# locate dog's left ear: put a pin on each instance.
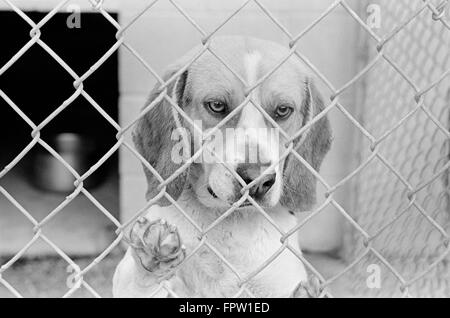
(299, 189)
(152, 137)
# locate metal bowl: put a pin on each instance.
(48, 173)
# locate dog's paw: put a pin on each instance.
(157, 246)
(309, 289)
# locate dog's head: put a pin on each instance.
(248, 144)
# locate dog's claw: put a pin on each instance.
(157, 246)
(142, 219)
(310, 289)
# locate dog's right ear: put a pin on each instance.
(153, 138)
(299, 193)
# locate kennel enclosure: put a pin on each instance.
(395, 114)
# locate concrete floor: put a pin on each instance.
(51, 277)
(48, 276)
(79, 229)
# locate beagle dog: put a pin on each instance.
(272, 186)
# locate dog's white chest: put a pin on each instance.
(246, 246)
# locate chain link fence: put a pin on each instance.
(403, 204)
(400, 218)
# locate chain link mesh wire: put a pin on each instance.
(406, 211)
(412, 125)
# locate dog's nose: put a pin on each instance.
(250, 172)
(264, 185)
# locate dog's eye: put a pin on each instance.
(216, 106)
(283, 111)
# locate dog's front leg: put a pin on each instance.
(156, 250)
(156, 247)
(309, 289)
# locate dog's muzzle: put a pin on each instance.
(249, 173)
